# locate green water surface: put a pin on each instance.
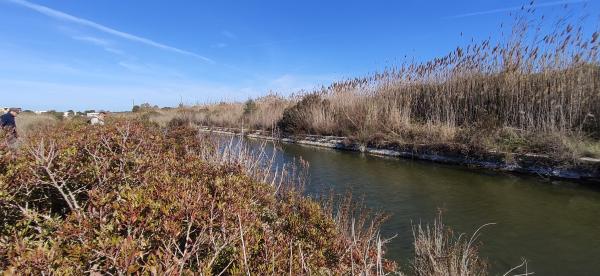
(553, 224)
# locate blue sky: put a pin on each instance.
(107, 54)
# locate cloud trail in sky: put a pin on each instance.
(516, 8)
(84, 22)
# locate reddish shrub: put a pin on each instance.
(130, 197)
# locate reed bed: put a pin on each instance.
(532, 91)
(262, 113)
(531, 83)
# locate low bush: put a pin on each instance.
(300, 117)
(131, 197)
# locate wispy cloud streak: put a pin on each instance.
(219, 45)
(228, 34)
(92, 40)
(84, 22)
(515, 8)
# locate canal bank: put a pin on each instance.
(581, 169)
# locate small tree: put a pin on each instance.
(250, 107)
(136, 108)
(56, 114)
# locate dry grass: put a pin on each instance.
(545, 85)
(26, 122)
(439, 252)
(264, 113)
(529, 92)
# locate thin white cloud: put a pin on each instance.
(516, 8)
(152, 70)
(228, 34)
(84, 22)
(93, 40)
(115, 51)
(136, 68)
(219, 45)
(107, 45)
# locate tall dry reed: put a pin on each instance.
(527, 86)
(530, 81)
(530, 91)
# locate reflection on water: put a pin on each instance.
(555, 225)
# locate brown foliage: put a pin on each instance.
(131, 197)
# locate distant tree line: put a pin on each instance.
(148, 107)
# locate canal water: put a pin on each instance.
(555, 225)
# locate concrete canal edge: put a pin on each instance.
(583, 169)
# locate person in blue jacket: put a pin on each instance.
(7, 121)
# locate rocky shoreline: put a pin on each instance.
(583, 169)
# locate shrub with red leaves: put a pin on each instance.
(131, 197)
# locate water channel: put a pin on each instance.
(555, 225)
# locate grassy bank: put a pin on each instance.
(134, 197)
(531, 92)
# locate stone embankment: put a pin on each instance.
(584, 169)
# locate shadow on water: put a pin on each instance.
(553, 224)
